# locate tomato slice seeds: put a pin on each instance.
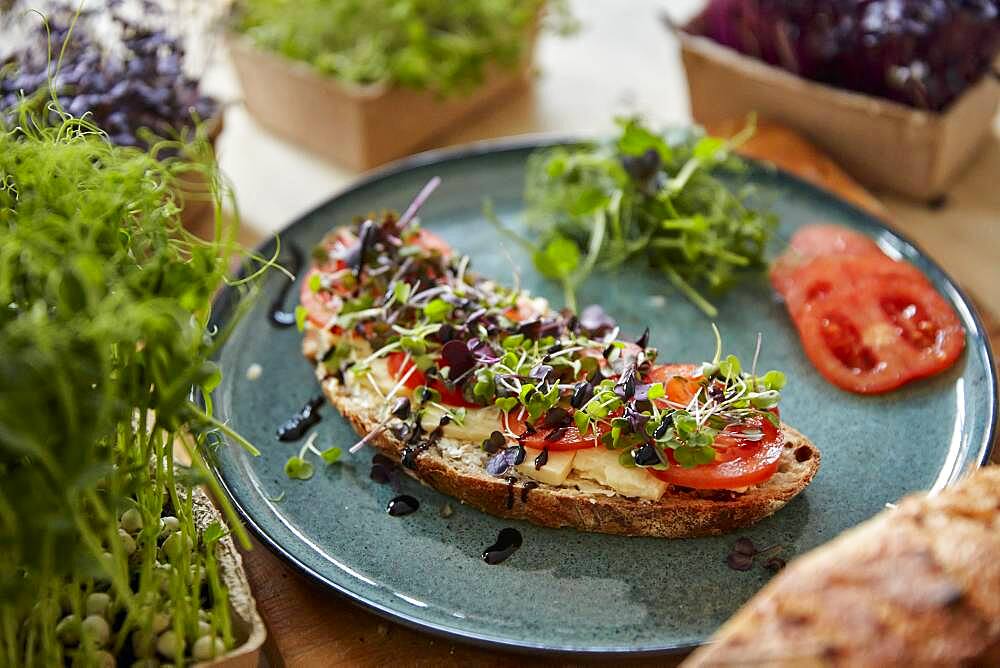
(867, 322)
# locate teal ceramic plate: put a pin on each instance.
(565, 590)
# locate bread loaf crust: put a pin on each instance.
(918, 585)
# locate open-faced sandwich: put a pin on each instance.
(486, 394)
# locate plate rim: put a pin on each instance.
(227, 299)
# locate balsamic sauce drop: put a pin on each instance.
(511, 481)
(279, 317)
(404, 504)
(527, 487)
(542, 459)
(507, 543)
(296, 426)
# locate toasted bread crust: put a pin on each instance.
(678, 514)
(918, 585)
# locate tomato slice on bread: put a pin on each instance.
(400, 365)
(321, 306)
(746, 454)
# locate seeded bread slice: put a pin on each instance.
(458, 469)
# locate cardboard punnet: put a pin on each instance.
(358, 126)
(882, 143)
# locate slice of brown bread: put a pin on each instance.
(918, 585)
(459, 470)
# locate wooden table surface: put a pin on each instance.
(311, 627)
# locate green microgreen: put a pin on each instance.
(669, 199)
(331, 455)
(436, 45)
(104, 332)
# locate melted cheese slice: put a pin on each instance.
(601, 465)
(479, 423)
(597, 464)
(554, 472)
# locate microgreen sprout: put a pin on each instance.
(452, 338)
(298, 467)
(599, 206)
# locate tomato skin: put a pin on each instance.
(867, 322)
(844, 273)
(680, 381)
(399, 366)
(818, 240)
(432, 242)
(739, 462)
(317, 304)
(571, 439)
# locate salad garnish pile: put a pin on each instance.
(674, 201)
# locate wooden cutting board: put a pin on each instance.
(309, 626)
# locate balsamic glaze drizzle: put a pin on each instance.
(511, 481)
(542, 459)
(527, 487)
(279, 317)
(404, 504)
(296, 426)
(508, 541)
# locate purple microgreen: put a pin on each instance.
(540, 372)
(739, 562)
(774, 564)
(457, 357)
(636, 419)
(355, 258)
(643, 341)
(503, 460)
(557, 417)
(595, 322)
(495, 441)
(745, 546)
(418, 202)
(582, 392)
(625, 387)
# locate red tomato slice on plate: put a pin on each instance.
(880, 332)
(745, 455)
(400, 366)
(822, 276)
(820, 240)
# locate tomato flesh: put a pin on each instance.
(569, 438)
(819, 240)
(317, 304)
(867, 322)
(880, 334)
(400, 365)
(746, 455)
